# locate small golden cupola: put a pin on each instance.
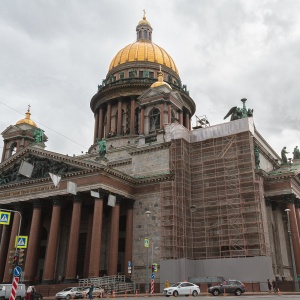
(27, 119)
(160, 81)
(144, 30)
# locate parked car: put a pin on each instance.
(5, 291)
(230, 286)
(69, 292)
(182, 288)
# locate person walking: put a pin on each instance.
(274, 285)
(28, 292)
(269, 286)
(91, 292)
(32, 293)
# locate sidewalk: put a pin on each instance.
(202, 294)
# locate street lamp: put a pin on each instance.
(292, 250)
(155, 248)
(148, 213)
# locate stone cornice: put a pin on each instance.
(150, 148)
(47, 154)
(122, 162)
(154, 178)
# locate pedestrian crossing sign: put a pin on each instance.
(4, 217)
(21, 241)
(146, 243)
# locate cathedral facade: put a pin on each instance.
(208, 201)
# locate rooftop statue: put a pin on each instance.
(102, 147)
(283, 155)
(38, 135)
(257, 158)
(239, 113)
(296, 153)
(146, 73)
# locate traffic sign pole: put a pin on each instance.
(152, 284)
(14, 288)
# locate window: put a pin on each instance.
(154, 119)
(151, 74)
(173, 117)
(13, 149)
(145, 34)
(141, 73)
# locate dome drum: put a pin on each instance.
(138, 68)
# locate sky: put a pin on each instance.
(55, 53)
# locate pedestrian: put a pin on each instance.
(91, 292)
(167, 284)
(269, 286)
(28, 292)
(32, 293)
(274, 285)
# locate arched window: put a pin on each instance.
(13, 148)
(123, 121)
(154, 117)
(145, 34)
(173, 117)
(137, 121)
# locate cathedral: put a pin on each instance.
(203, 201)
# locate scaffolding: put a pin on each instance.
(216, 177)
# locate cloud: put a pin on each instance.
(54, 54)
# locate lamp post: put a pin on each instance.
(148, 213)
(292, 250)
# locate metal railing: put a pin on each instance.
(117, 283)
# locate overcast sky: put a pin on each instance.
(55, 53)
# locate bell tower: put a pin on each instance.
(19, 136)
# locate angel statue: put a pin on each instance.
(38, 135)
(102, 147)
(235, 112)
(239, 113)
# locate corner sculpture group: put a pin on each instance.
(296, 154)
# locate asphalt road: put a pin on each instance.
(258, 297)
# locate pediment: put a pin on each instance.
(151, 92)
(43, 162)
(18, 128)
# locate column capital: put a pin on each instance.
(119, 199)
(76, 198)
(37, 204)
(102, 193)
(18, 207)
(289, 198)
(129, 203)
(56, 201)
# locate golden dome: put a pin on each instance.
(143, 50)
(27, 119)
(160, 80)
(144, 22)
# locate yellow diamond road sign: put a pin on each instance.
(21, 241)
(4, 217)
